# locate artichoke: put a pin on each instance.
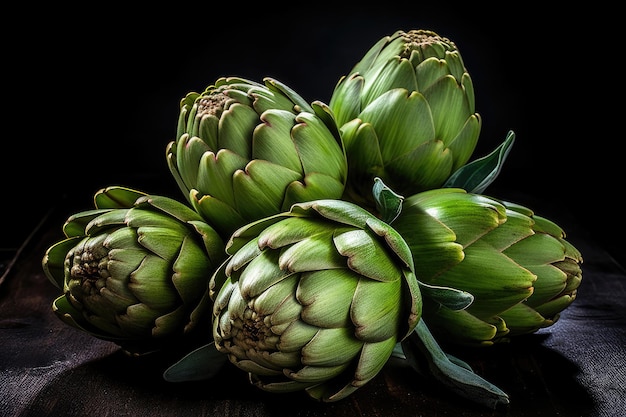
(314, 299)
(517, 265)
(246, 150)
(135, 270)
(318, 299)
(407, 115)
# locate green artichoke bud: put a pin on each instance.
(517, 265)
(407, 115)
(314, 299)
(135, 270)
(246, 150)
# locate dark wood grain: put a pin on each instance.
(574, 368)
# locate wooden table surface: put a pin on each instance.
(575, 368)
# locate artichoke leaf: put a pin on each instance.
(318, 151)
(122, 263)
(73, 317)
(374, 356)
(296, 335)
(108, 218)
(449, 297)
(395, 114)
(253, 367)
(326, 296)
(169, 323)
(213, 208)
(170, 156)
(272, 140)
(236, 125)
(330, 391)
(552, 283)
(277, 385)
(523, 317)
(173, 207)
(552, 309)
(347, 99)
(457, 378)
(215, 177)
(190, 277)
(291, 230)
(299, 102)
(250, 232)
(260, 188)
(164, 242)
(461, 322)
(77, 223)
(336, 211)
(266, 273)
(449, 108)
(545, 225)
(317, 374)
(323, 111)
(428, 71)
(116, 197)
(331, 347)
(151, 284)
(477, 175)
(212, 241)
(366, 256)
(288, 311)
(395, 73)
(314, 186)
(147, 218)
(429, 163)
(200, 364)
(464, 143)
(393, 239)
(271, 363)
(311, 254)
(362, 144)
(53, 261)
(374, 306)
(206, 128)
(242, 256)
(388, 202)
(189, 151)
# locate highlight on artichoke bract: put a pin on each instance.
(135, 270)
(246, 150)
(314, 299)
(518, 266)
(406, 112)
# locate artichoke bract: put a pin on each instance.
(314, 299)
(518, 266)
(135, 270)
(246, 150)
(407, 115)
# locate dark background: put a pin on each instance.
(91, 98)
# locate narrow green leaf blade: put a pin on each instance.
(477, 175)
(388, 202)
(200, 364)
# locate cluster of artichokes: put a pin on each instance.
(312, 242)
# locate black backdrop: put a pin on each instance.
(91, 98)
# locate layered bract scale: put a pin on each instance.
(315, 299)
(246, 150)
(407, 115)
(135, 270)
(518, 266)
